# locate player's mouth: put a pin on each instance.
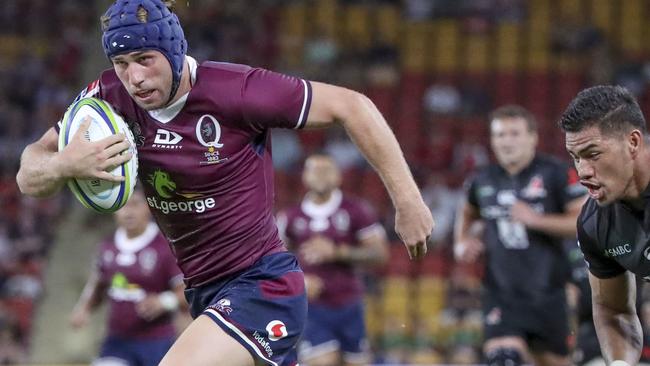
(595, 190)
(144, 94)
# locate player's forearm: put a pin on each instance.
(374, 138)
(39, 174)
(464, 222)
(559, 225)
(362, 256)
(619, 334)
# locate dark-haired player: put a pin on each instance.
(203, 132)
(607, 138)
(333, 234)
(135, 271)
(528, 202)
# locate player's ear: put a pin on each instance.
(634, 141)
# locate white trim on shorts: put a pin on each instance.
(109, 361)
(307, 351)
(241, 335)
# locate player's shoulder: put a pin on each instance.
(222, 71)
(291, 212)
(588, 217)
(550, 161)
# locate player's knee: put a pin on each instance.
(504, 357)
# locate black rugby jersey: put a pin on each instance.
(615, 238)
(523, 264)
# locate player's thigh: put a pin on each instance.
(204, 343)
(326, 359)
(551, 359)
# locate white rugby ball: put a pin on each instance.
(98, 194)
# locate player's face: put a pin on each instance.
(146, 75)
(321, 175)
(134, 216)
(512, 141)
(604, 164)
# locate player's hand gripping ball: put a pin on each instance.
(98, 194)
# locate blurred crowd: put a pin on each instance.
(435, 68)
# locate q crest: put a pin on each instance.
(208, 133)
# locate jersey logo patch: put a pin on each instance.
(535, 188)
(167, 140)
(208, 133)
(276, 330)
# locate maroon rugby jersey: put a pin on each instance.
(133, 268)
(207, 172)
(343, 220)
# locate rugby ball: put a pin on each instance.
(98, 194)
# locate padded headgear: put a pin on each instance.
(123, 32)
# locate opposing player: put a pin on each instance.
(334, 234)
(528, 202)
(203, 136)
(138, 274)
(607, 138)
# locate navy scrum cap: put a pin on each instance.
(132, 25)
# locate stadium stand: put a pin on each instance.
(433, 68)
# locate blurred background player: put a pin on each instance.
(137, 272)
(333, 234)
(528, 202)
(203, 133)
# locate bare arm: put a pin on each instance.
(467, 247)
(617, 324)
(39, 173)
(91, 297)
(372, 251)
(44, 170)
(367, 128)
(561, 224)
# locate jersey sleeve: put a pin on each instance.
(599, 265)
(271, 99)
(470, 191)
(91, 90)
(365, 222)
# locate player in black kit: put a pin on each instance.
(528, 203)
(607, 137)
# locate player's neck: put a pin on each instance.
(134, 233)
(516, 167)
(641, 179)
(185, 85)
(320, 197)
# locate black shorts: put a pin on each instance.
(544, 326)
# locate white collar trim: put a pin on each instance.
(132, 245)
(325, 209)
(168, 113)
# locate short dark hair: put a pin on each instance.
(515, 111)
(611, 108)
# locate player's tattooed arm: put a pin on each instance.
(368, 129)
(617, 324)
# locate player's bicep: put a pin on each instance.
(49, 141)
(617, 293)
(330, 104)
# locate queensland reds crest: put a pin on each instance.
(276, 330)
(208, 131)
